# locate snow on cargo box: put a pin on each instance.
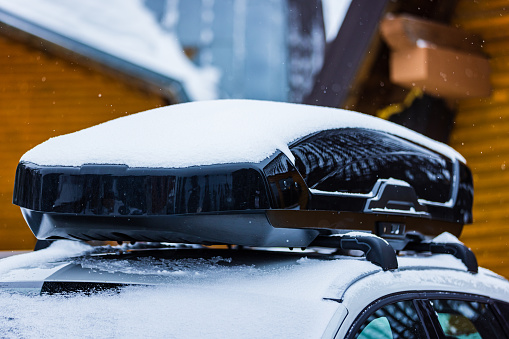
(244, 172)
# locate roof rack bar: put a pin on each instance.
(377, 250)
(458, 250)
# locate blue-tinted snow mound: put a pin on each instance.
(206, 133)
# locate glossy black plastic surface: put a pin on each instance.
(344, 166)
(362, 176)
(352, 160)
(286, 184)
(107, 190)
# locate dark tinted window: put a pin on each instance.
(448, 315)
(398, 320)
(352, 160)
(503, 308)
(503, 312)
(467, 319)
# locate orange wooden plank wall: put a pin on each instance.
(481, 134)
(42, 96)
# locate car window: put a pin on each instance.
(397, 320)
(466, 319)
(503, 310)
(377, 328)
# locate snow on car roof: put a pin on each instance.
(206, 133)
(440, 272)
(222, 301)
(200, 299)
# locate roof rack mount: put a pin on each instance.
(377, 250)
(458, 250)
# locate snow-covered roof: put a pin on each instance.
(206, 133)
(334, 12)
(218, 296)
(199, 298)
(123, 29)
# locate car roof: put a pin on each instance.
(206, 133)
(234, 291)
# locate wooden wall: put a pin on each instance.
(42, 96)
(481, 134)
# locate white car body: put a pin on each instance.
(236, 293)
